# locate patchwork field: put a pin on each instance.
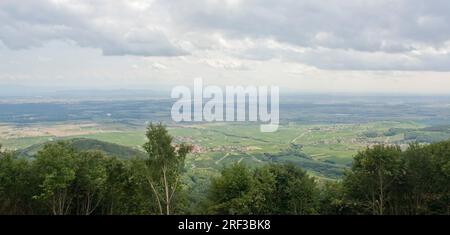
(320, 134)
(324, 150)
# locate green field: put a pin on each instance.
(324, 150)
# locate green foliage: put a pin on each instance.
(428, 178)
(332, 199)
(126, 189)
(84, 144)
(272, 189)
(17, 185)
(371, 181)
(229, 193)
(370, 134)
(89, 183)
(295, 191)
(390, 132)
(165, 164)
(385, 180)
(56, 168)
(60, 180)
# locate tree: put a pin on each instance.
(139, 196)
(428, 178)
(332, 199)
(229, 193)
(261, 196)
(89, 183)
(419, 177)
(371, 180)
(440, 154)
(295, 191)
(165, 164)
(126, 188)
(16, 184)
(116, 178)
(56, 168)
(272, 189)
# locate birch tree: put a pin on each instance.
(165, 164)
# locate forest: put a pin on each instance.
(61, 180)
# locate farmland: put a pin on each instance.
(321, 134)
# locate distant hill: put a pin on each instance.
(83, 144)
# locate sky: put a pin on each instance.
(383, 46)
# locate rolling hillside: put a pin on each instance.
(82, 144)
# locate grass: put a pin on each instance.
(243, 142)
(23, 142)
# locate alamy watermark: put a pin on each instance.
(236, 104)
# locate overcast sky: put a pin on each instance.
(307, 45)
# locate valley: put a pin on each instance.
(324, 145)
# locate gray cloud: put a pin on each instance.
(384, 25)
(340, 59)
(32, 23)
(342, 35)
(335, 34)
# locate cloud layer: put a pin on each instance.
(116, 27)
(404, 35)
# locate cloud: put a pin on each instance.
(335, 34)
(384, 25)
(159, 66)
(116, 27)
(332, 35)
(420, 59)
